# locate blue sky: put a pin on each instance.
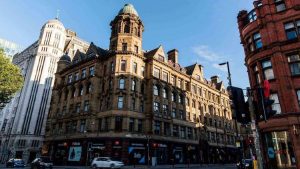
(204, 31)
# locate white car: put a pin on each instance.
(106, 162)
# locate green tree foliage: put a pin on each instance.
(11, 79)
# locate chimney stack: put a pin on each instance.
(173, 55)
(215, 79)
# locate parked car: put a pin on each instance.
(42, 163)
(245, 164)
(15, 162)
(106, 162)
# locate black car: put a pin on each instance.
(14, 162)
(41, 163)
(245, 164)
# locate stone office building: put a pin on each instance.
(132, 104)
(270, 34)
(23, 120)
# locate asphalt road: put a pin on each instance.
(227, 166)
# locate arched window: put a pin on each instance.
(155, 90)
(165, 93)
(122, 83)
(173, 97)
(127, 28)
(133, 85)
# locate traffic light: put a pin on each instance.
(265, 100)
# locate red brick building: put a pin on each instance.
(270, 34)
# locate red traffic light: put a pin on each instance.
(266, 89)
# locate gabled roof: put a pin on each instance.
(190, 69)
(152, 52)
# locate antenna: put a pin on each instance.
(57, 14)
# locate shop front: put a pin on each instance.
(278, 150)
(137, 153)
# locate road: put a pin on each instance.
(227, 166)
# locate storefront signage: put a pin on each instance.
(162, 145)
(98, 146)
(271, 152)
(75, 143)
(137, 145)
(74, 153)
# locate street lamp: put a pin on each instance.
(228, 71)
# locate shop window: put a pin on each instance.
(157, 125)
(267, 69)
(120, 102)
(282, 150)
(123, 65)
(294, 62)
(118, 123)
(280, 5)
(122, 83)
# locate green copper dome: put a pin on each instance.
(128, 9)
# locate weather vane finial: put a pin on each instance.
(57, 14)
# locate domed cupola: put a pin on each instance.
(63, 62)
(128, 9)
(65, 58)
(126, 31)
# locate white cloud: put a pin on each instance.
(222, 68)
(205, 54)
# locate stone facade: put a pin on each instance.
(116, 102)
(24, 118)
(270, 35)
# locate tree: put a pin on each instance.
(11, 79)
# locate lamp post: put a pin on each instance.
(229, 87)
(228, 71)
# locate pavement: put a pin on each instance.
(181, 166)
